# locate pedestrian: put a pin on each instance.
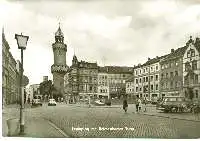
(125, 104)
(145, 102)
(140, 105)
(137, 104)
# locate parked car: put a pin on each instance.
(173, 104)
(36, 102)
(99, 103)
(52, 102)
(108, 102)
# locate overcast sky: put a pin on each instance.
(113, 32)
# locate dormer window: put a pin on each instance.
(188, 54)
(191, 53)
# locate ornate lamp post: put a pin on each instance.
(22, 43)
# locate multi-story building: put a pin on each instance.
(82, 77)
(191, 69)
(130, 87)
(171, 74)
(117, 76)
(86, 78)
(146, 78)
(33, 92)
(10, 85)
(103, 83)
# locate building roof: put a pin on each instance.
(84, 64)
(150, 61)
(59, 32)
(130, 79)
(197, 44)
(4, 41)
(175, 53)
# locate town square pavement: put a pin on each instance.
(77, 120)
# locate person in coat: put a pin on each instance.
(125, 104)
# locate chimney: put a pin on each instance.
(172, 50)
(157, 57)
(149, 58)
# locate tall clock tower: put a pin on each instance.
(59, 68)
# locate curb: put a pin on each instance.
(169, 117)
(95, 106)
(57, 128)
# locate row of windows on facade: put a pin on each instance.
(192, 79)
(103, 83)
(145, 88)
(172, 74)
(145, 70)
(115, 89)
(112, 81)
(103, 90)
(102, 77)
(195, 93)
(86, 88)
(170, 85)
(83, 71)
(169, 65)
(145, 79)
(193, 67)
(86, 79)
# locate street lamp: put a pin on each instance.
(22, 43)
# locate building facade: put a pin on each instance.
(33, 91)
(191, 69)
(130, 87)
(171, 74)
(82, 78)
(10, 75)
(103, 83)
(146, 79)
(59, 68)
(117, 76)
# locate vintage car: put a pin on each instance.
(99, 103)
(173, 104)
(36, 102)
(52, 102)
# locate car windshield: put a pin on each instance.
(180, 99)
(170, 99)
(36, 100)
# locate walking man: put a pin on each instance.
(137, 104)
(125, 104)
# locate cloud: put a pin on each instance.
(118, 32)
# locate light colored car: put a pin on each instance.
(36, 102)
(52, 102)
(99, 103)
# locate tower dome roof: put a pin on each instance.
(59, 32)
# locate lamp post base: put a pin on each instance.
(21, 130)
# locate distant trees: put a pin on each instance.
(46, 88)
